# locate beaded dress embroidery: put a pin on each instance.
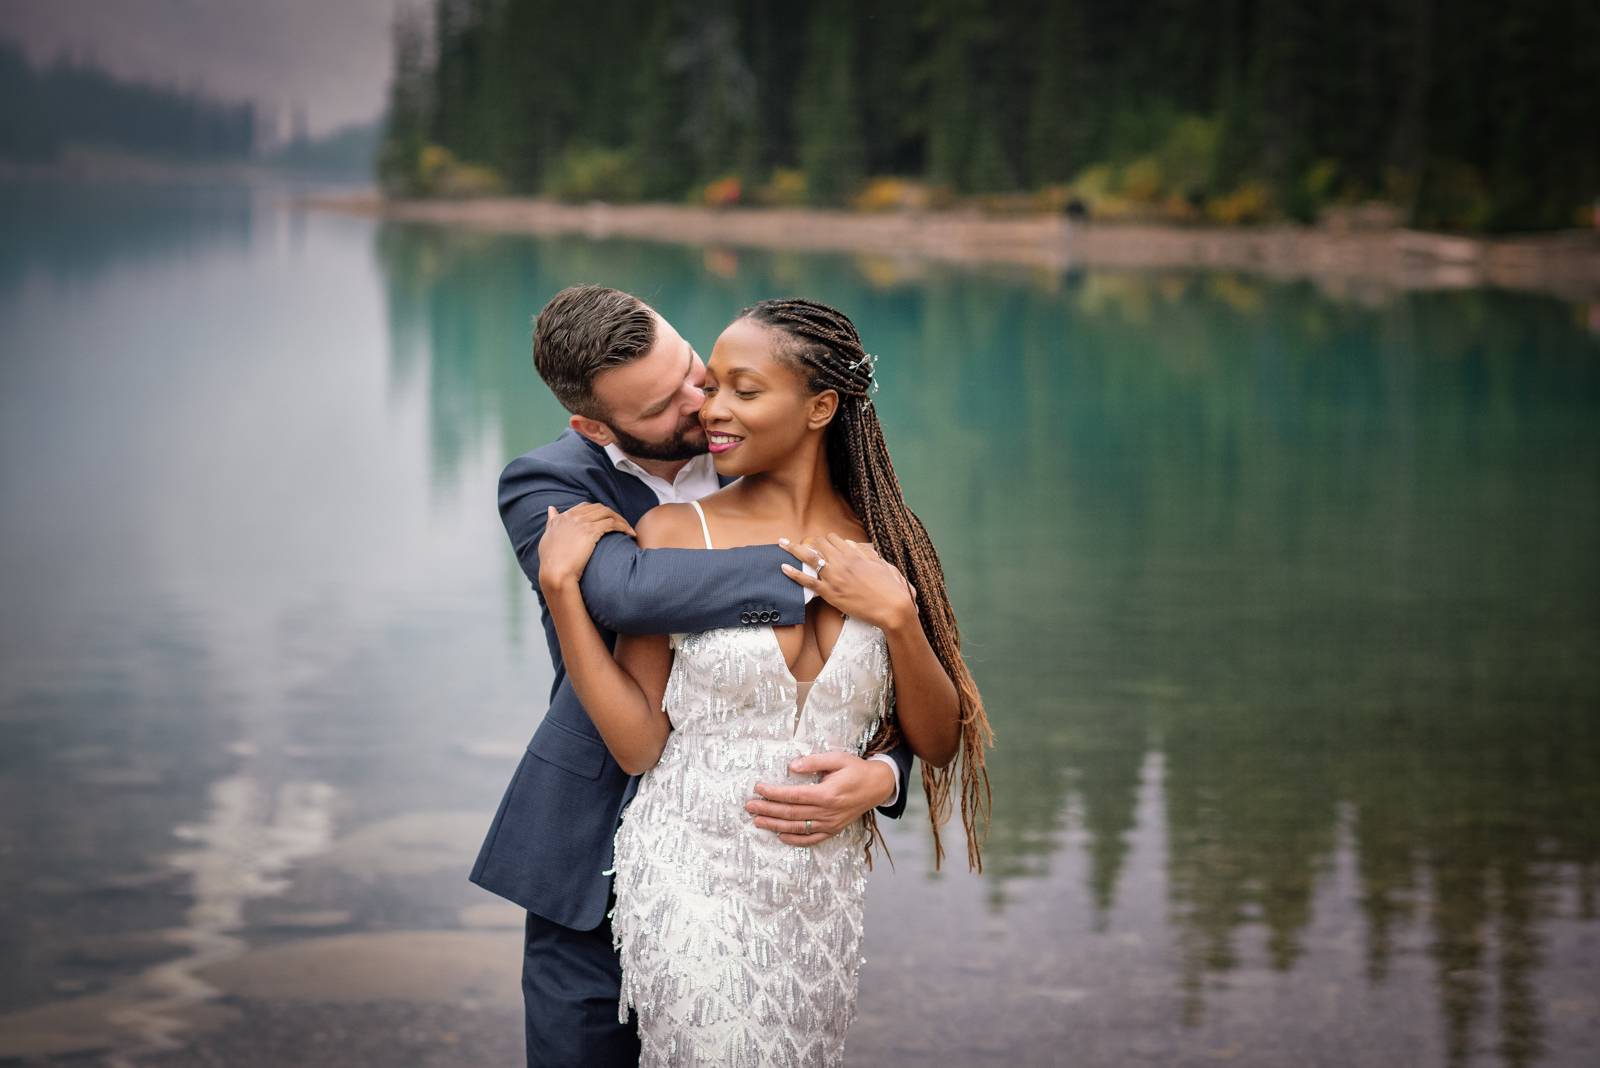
(736, 948)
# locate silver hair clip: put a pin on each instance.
(872, 368)
(872, 379)
(866, 358)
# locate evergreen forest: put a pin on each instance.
(1473, 116)
(71, 103)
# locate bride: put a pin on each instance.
(736, 947)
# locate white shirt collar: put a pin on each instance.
(696, 479)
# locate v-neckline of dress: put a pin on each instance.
(788, 673)
(777, 646)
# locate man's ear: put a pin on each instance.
(823, 407)
(592, 429)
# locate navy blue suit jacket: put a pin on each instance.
(551, 839)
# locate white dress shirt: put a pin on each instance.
(697, 479)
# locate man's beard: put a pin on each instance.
(677, 447)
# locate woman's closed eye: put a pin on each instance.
(742, 394)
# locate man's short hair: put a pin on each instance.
(583, 331)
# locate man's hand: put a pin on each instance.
(850, 787)
(568, 540)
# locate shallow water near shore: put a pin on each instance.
(1283, 602)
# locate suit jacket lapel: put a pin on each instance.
(631, 497)
(635, 497)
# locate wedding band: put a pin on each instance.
(808, 826)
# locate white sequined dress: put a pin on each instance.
(736, 948)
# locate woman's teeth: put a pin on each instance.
(721, 442)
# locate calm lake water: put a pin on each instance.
(1285, 603)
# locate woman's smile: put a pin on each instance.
(720, 442)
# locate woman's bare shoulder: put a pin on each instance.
(853, 530)
(670, 526)
(847, 526)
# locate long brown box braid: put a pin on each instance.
(823, 344)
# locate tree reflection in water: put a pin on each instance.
(1330, 556)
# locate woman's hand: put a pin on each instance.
(853, 578)
(569, 539)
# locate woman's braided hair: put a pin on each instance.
(823, 345)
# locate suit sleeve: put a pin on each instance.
(648, 591)
(901, 755)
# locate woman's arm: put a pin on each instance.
(859, 583)
(924, 697)
(622, 693)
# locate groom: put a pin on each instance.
(635, 441)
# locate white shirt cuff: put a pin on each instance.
(889, 760)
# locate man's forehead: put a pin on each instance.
(641, 385)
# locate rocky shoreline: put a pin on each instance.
(1565, 265)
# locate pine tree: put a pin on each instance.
(1061, 97)
(407, 119)
(827, 106)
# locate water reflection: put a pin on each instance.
(72, 233)
(232, 617)
(248, 842)
(1329, 556)
(1283, 599)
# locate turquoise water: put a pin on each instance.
(1283, 601)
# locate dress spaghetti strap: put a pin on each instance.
(701, 512)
